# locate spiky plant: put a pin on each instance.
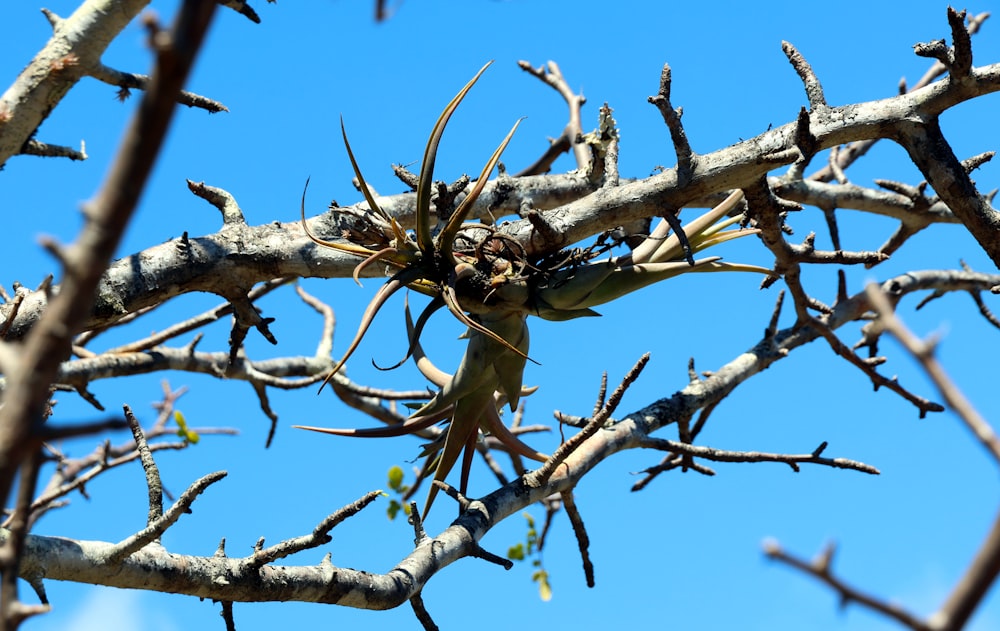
(486, 281)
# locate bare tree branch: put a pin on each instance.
(42, 330)
(28, 386)
(820, 569)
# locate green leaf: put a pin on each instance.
(183, 431)
(516, 552)
(425, 183)
(446, 239)
(395, 478)
(531, 520)
(544, 587)
(393, 510)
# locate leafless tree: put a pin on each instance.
(544, 262)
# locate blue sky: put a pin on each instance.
(687, 550)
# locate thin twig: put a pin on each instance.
(582, 540)
(107, 215)
(792, 460)
(128, 80)
(820, 570)
(207, 317)
(12, 611)
(923, 352)
(541, 475)
(420, 610)
(571, 137)
(814, 90)
(153, 483)
(686, 157)
(227, 615)
(319, 536)
(151, 533)
(48, 498)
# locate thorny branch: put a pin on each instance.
(923, 352)
(73, 474)
(820, 569)
(153, 482)
(792, 460)
(572, 135)
(557, 212)
(304, 583)
(319, 536)
(72, 53)
(985, 567)
(25, 397)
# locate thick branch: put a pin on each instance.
(28, 386)
(573, 213)
(927, 147)
(78, 43)
(155, 569)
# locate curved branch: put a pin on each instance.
(77, 44)
(573, 212)
(27, 391)
(155, 569)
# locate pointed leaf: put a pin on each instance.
(451, 300)
(361, 179)
(397, 282)
(409, 426)
(462, 432)
(446, 239)
(413, 332)
(425, 183)
(350, 248)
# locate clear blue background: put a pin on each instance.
(684, 553)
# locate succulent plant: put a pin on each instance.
(486, 280)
